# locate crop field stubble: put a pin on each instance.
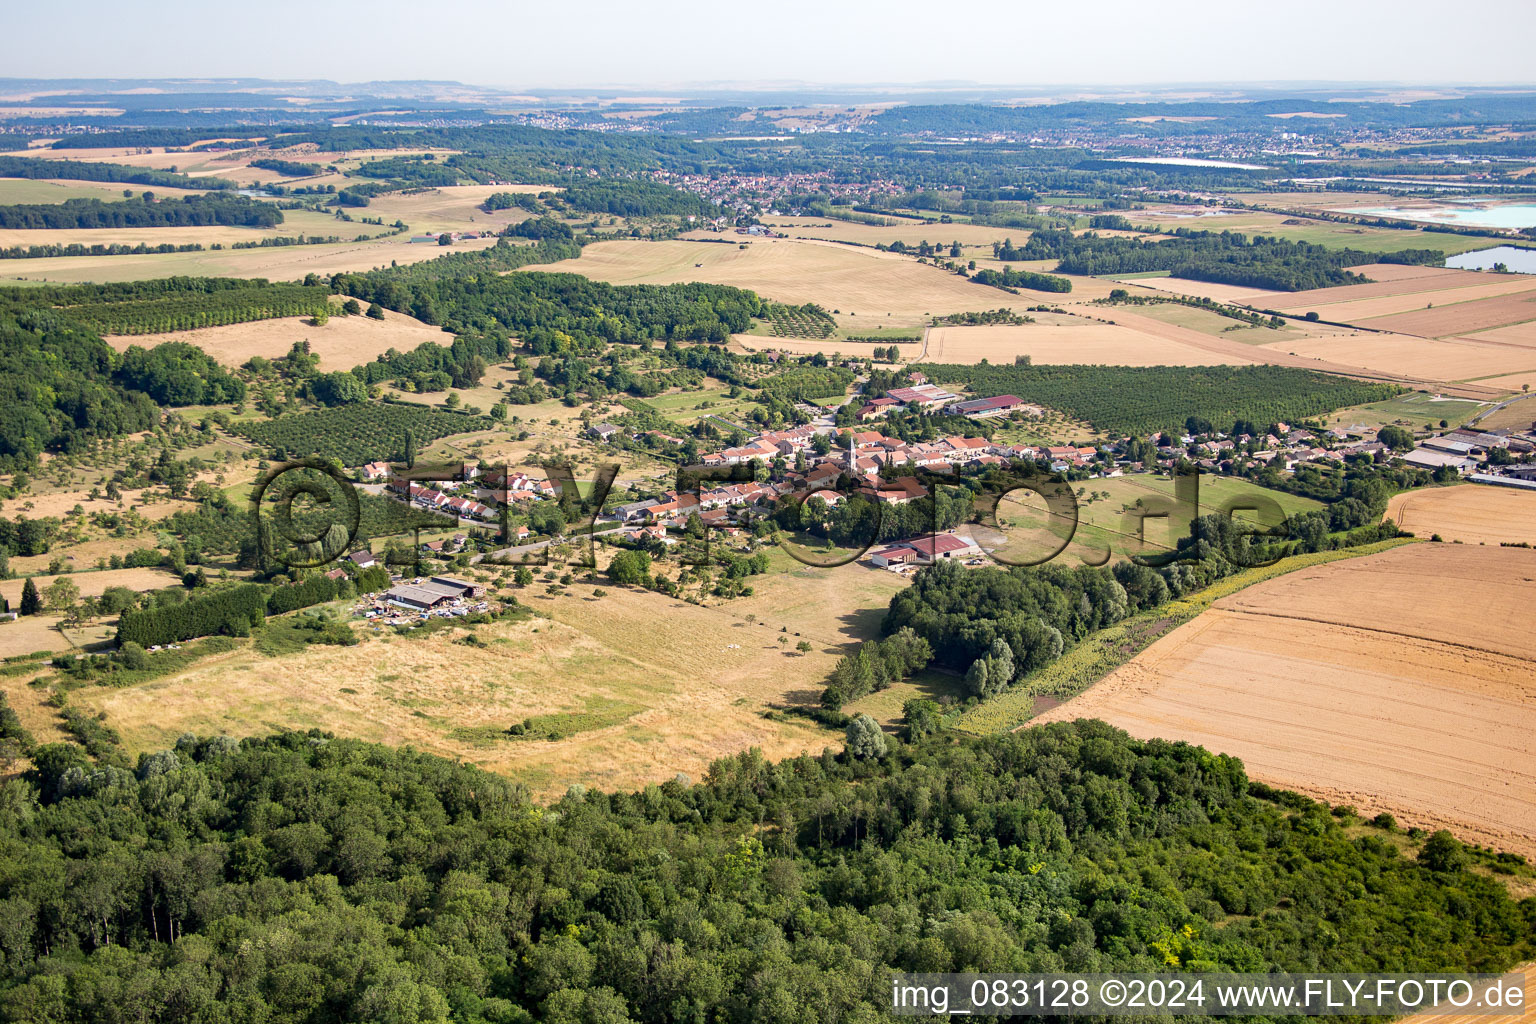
(869, 284)
(1403, 682)
(341, 343)
(1468, 513)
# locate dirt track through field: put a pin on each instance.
(1402, 682)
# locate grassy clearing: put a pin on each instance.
(1413, 409)
(1104, 504)
(1108, 649)
(341, 343)
(616, 691)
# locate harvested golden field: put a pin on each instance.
(341, 343)
(908, 230)
(1403, 682)
(1470, 513)
(1427, 359)
(1462, 317)
(650, 686)
(455, 208)
(1522, 334)
(1388, 280)
(854, 281)
(1511, 381)
(1360, 310)
(1208, 290)
(285, 263)
(1517, 1015)
(1084, 342)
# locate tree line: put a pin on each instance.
(85, 170)
(1227, 257)
(146, 211)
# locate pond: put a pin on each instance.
(1520, 261)
(1507, 215)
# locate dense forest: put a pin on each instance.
(57, 389)
(551, 313)
(301, 878)
(1146, 399)
(146, 211)
(1227, 257)
(634, 199)
(176, 373)
(288, 168)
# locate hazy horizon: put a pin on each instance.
(687, 44)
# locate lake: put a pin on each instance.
(1521, 261)
(1187, 161)
(1509, 215)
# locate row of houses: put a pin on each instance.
(437, 501)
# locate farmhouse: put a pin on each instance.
(376, 471)
(926, 396)
(363, 559)
(876, 407)
(924, 550)
(464, 588)
(1454, 447)
(423, 597)
(602, 431)
(983, 408)
(1434, 460)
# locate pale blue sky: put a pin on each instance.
(555, 43)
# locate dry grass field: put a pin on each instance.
(1518, 415)
(57, 190)
(668, 686)
(41, 632)
(1389, 280)
(341, 343)
(92, 584)
(1470, 513)
(870, 285)
(1403, 682)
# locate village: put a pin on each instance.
(746, 482)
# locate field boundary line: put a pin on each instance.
(1084, 666)
(1385, 632)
